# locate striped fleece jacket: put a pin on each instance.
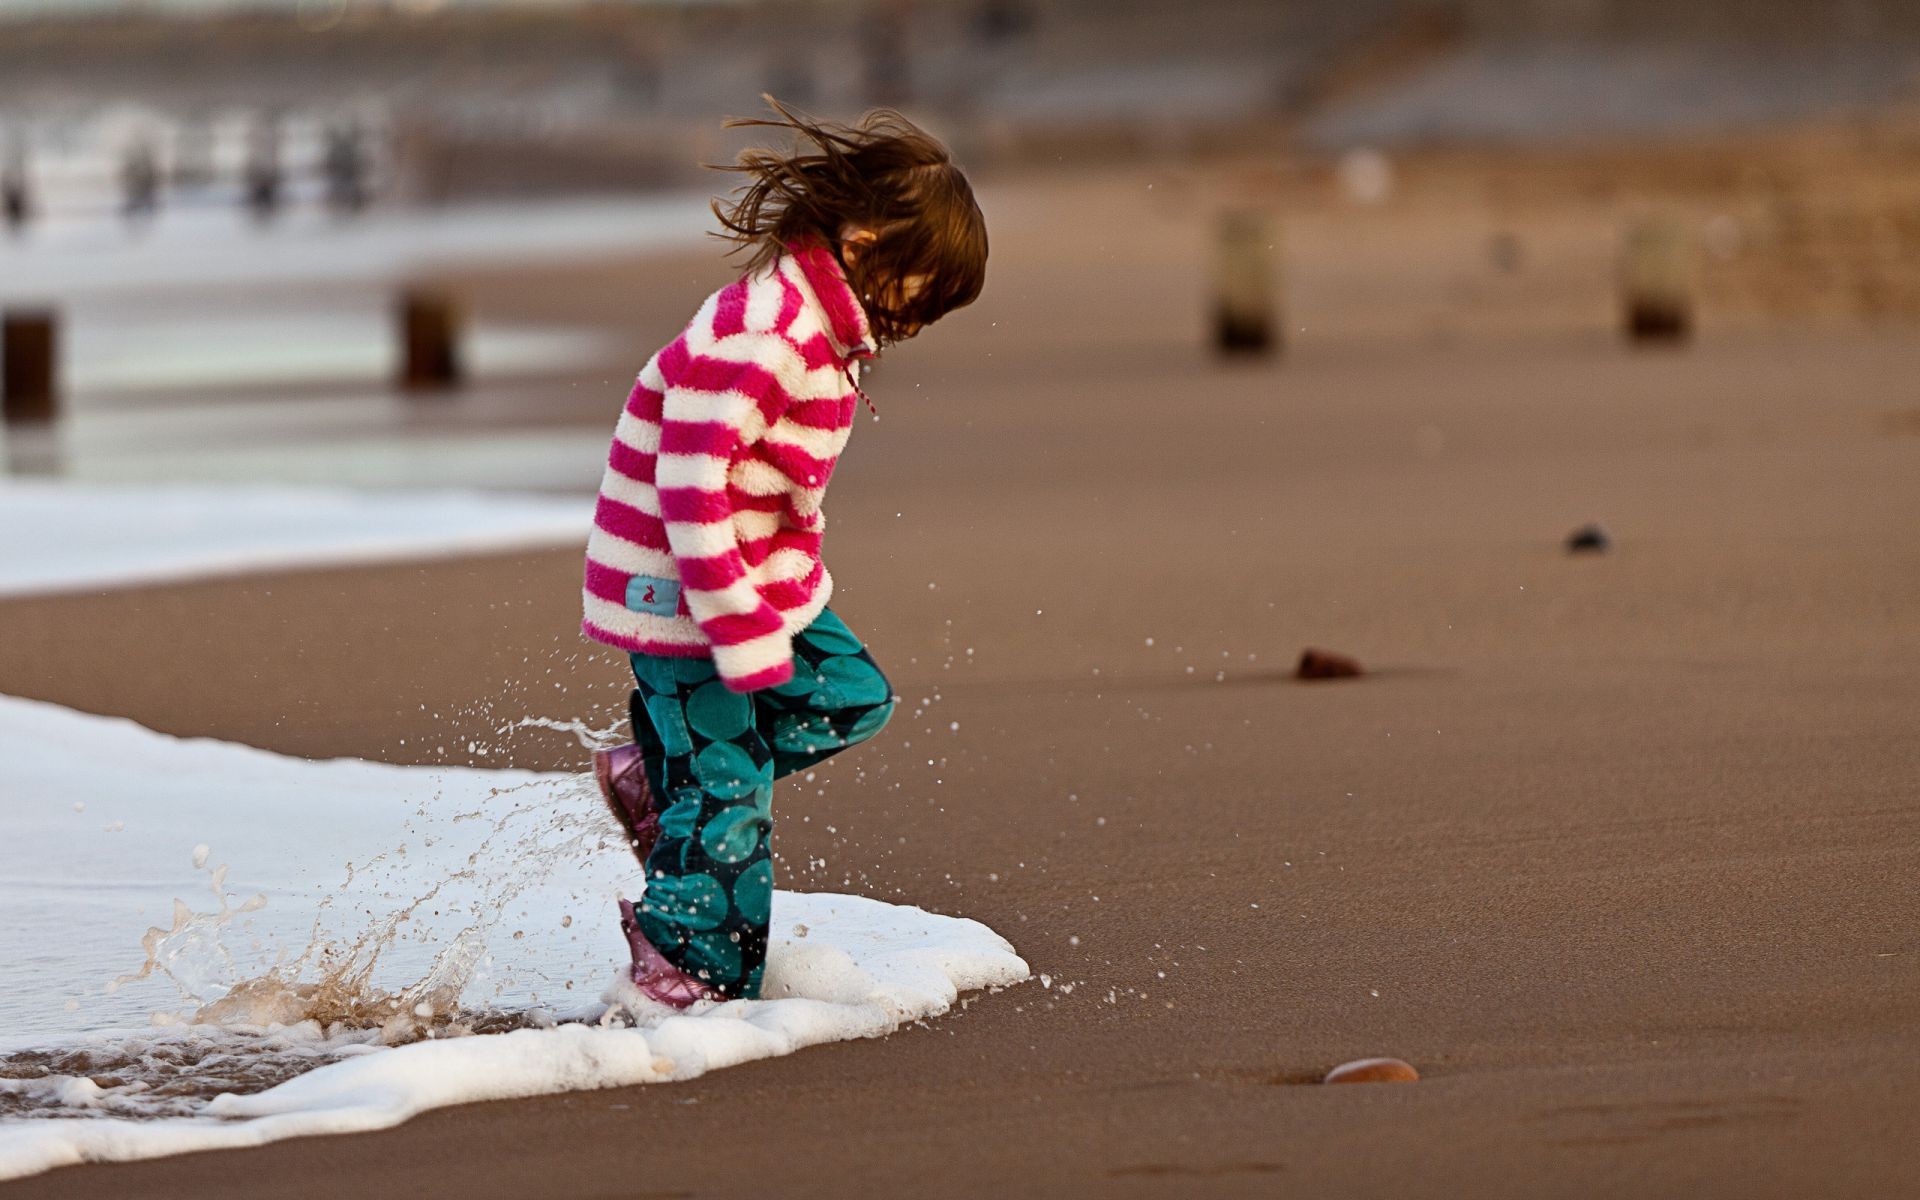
(706, 540)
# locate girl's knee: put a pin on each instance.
(873, 720)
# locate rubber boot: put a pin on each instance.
(622, 775)
(657, 978)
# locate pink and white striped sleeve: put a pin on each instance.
(711, 400)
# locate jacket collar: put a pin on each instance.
(847, 324)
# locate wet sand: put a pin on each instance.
(1617, 849)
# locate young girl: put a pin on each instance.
(704, 563)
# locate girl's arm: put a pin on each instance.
(714, 402)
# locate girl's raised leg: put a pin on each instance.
(837, 698)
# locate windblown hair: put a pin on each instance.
(882, 173)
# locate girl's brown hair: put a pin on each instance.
(883, 173)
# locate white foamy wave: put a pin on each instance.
(452, 963)
(864, 969)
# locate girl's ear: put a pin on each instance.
(854, 239)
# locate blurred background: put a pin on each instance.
(250, 200)
(1360, 298)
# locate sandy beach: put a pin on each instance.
(1617, 849)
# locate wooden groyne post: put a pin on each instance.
(429, 329)
(29, 366)
(1656, 280)
(1244, 316)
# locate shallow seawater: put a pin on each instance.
(62, 536)
(122, 349)
(178, 1071)
(163, 1074)
(216, 946)
(253, 916)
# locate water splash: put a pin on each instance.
(191, 951)
(250, 1017)
(588, 737)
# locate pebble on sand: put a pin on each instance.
(1325, 664)
(1373, 1070)
(1588, 539)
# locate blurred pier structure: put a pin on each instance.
(478, 99)
(345, 167)
(263, 178)
(16, 185)
(1443, 169)
(139, 181)
(491, 100)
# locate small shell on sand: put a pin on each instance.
(1325, 664)
(1373, 1070)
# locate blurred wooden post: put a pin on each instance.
(16, 193)
(29, 366)
(345, 166)
(140, 181)
(262, 172)
(1244, 317)
(1656, 280)
(429, 341)
(15, 205)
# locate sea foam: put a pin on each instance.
(335, 946)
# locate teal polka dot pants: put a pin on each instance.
(712, 756)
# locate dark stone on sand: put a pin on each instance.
(1373, 1070)
(1589, 539)
(1325, 664)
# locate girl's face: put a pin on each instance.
(899, 293)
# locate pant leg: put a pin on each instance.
(837, 698)
(712, 756)
(709, 890)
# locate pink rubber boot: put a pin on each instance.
(622, 775)
(659, 979)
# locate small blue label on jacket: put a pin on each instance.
(646, 594)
